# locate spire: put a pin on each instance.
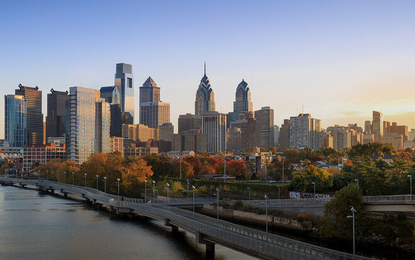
(205, 68)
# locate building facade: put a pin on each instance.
(124, 83)
(305, 131)
(15, 120)
(205, 97)
(33, 98)
(189, 122)
(265, 127)
(55, 119)
(153, 112)
(214, 126)
(377, 125)
(242, 101)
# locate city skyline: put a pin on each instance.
(341, 61)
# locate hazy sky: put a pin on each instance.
(338, 59)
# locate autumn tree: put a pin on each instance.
(237, 168)
(195, 163)
(186, 170)
(133, 174)
(303, 179)
(161, 166)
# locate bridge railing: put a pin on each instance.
(283, 202)
(389, 199)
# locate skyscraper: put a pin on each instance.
(214, 126)
(33, 97)
(305, 131)
(55, 119)
(242, 100)
(377, 125)
(265, 127)
(153, 112)
(124, 83)
(87, 124)
(205, 98)
(15, 120)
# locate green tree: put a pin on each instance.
(335, 222)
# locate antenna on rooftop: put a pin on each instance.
(205, 68)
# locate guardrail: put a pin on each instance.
(404, 199)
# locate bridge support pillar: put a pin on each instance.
(65, 194)
(210, 251)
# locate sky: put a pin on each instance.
(337, 60)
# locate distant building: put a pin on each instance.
(15, 120)
(205, 97)
(153, 112)
(284, 138)
(265, 127)
(394, 138)
(140, 132)
(242, 101)
(166, 132)
(35, 155)
(55, 119)
(33, 98)
(193, 140)
(345, 137)
(124, 83)
(189, 122)
(377, 125)
(111, 94)
(305, 131)
(326, 139)
(399, 129)
(87, 124)
(117, 145)
(214, 126)
(368, 127)
(135, 151)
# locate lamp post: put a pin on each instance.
(410, 187)
(97, 176)
(266, 213)
(73, 178)
(249, 193)
(187, 188)
(105, 184)
(357, 180)
(145, 191)
(118, 184)
(64, 177)
(283, 179)
(85, 180)
(217, 203)
(180, 167)
(314, 189)
(47, 174)
(168, 189)
(193, 188)
(354, 230)
(154, 194)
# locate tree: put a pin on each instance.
(161, 166)
(133, 175)
(303, 179)
(237, 168)
(335, 222)
(195, 163)
(187, 170)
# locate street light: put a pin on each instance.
(154, 195)
(410, 187)
(187, 188)
(47, 174)
(118, 183)
(97, 176)
(180, 167)
(64, 177)
(105, 184)
(217, 203)
(314, 189)
(266, 213)
(193, 188)
(249, 193)
(73, 178)
(354, 233)
(168, 189)
(145, 191)
(85, 179)
(283, 169)
(357, 180)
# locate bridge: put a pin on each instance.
(207, 230)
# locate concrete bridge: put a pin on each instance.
(207, 230)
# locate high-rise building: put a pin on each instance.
(368, 127)
(242, 100)
(15, 120)
(33, 97)
(399, 129)
(189, 122)
(111, 94)
(205, 97)
(265, 127)
(87, 124)
(124, 83)
(284, 138)
(166, 132)
(140, 133)
(55, 119)
(214, 126)
(377, 125)
(153, 112)
(305, 131)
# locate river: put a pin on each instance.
(39, 226)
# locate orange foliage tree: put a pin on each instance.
(133, 173)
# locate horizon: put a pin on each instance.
(340, 61)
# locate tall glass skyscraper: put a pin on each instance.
(205, 97)
(33, 97)
(87, 124)
(242, 100)
(124, 82)
(55, 119)
(15, 120)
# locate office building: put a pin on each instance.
(166, 132)
(214, 126)
(205, 97)
(189, 122)
(153, 112)
(87, 124)
(305, 131)
(124, 83)
(368, 127)
(33, 97)
(110, 94)
(140, 132)
(55, 119)
(35, 155)
(284, 138)
(242, 101)
(265, 127)
(377, 125)
(15, 120)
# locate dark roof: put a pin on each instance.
(107, 89)
(149, 83)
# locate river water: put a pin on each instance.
(39, 226)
